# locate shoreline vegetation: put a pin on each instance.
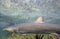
(31, 36)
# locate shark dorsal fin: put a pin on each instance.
(39, 20)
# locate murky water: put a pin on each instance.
(19, 11)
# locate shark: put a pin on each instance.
(34, 27)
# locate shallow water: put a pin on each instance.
(14, 12)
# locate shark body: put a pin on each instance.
(37, 26)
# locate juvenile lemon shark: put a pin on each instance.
(37, 26)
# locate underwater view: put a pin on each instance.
(14, 12)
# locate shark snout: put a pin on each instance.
(8, 29)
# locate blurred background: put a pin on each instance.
(14, 12)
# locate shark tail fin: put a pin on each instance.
(39, 20)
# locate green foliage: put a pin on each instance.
(32, 36)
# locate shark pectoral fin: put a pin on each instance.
(39, 20)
